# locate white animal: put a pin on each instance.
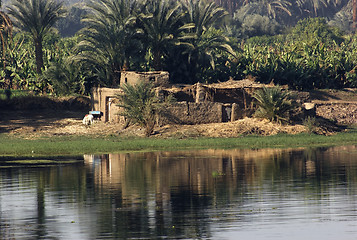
(88, 119)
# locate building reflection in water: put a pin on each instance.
(178, 194)
(210, 173)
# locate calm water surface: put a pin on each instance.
(208, 194)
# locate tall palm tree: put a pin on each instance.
(319, 8)
(203, 14)
(108, 41)
(230, 5)
(274, 9)
(162, 24)
(202, 48)
(354, 12)
(5, 32)
(36, 17)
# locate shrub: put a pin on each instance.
(273, 104)
(316, 30)
(311, 124)
(257, 25)
(141, 105)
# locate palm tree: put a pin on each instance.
(231, 5)
(5, 32)
(318, 8)
(273, 104)
(202, 48)
(203, 14)
(274, 9)
(354, 12)
(108, 41)
(311, 7)
(141, 105)
(162, 24)
(36, 17)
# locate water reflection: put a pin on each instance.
(217, 194)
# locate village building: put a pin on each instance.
(158, 77)
(105, 100)
(195, 104)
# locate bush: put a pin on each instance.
(315, 30)
(311, 124)
(273, 104)
(141, 105)
(35, 103)
(257, 25)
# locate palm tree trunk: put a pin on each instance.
(354, 10)
(3, 50)
(116, 78)
(157, 60)
(39, 54)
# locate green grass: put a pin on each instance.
(60, 146)
(14, 93)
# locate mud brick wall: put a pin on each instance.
(104, 100)
(192, 113)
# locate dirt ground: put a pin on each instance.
(37, 123)
(30, 124)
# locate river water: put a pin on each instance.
(207, 194)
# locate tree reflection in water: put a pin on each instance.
(194, 194)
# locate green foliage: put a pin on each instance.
(343, 21)
(205, 42)
(302, 65)
(315, 30)
(273, 104)
(37, 18)
(4, 94)
(64, 75)
(205, 51)
(161, 24)
(311, 124)
(71, 24)
(256, 25)
(61, 75)
(266, 40)
(77, 145)
(5, 32)
(108, 43)
(66, 78)
(25, 100)
(141, 105)
(267, 8)
(20, 64)
(188, 38)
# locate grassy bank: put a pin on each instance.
(59, 145)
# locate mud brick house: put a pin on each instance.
(159, 77)
(196, 104)
(211, 103)
(104, 99)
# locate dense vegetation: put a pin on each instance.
(193, 40)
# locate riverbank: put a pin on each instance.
(78, 145)
(55, 128)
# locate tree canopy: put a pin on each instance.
(194, 40)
